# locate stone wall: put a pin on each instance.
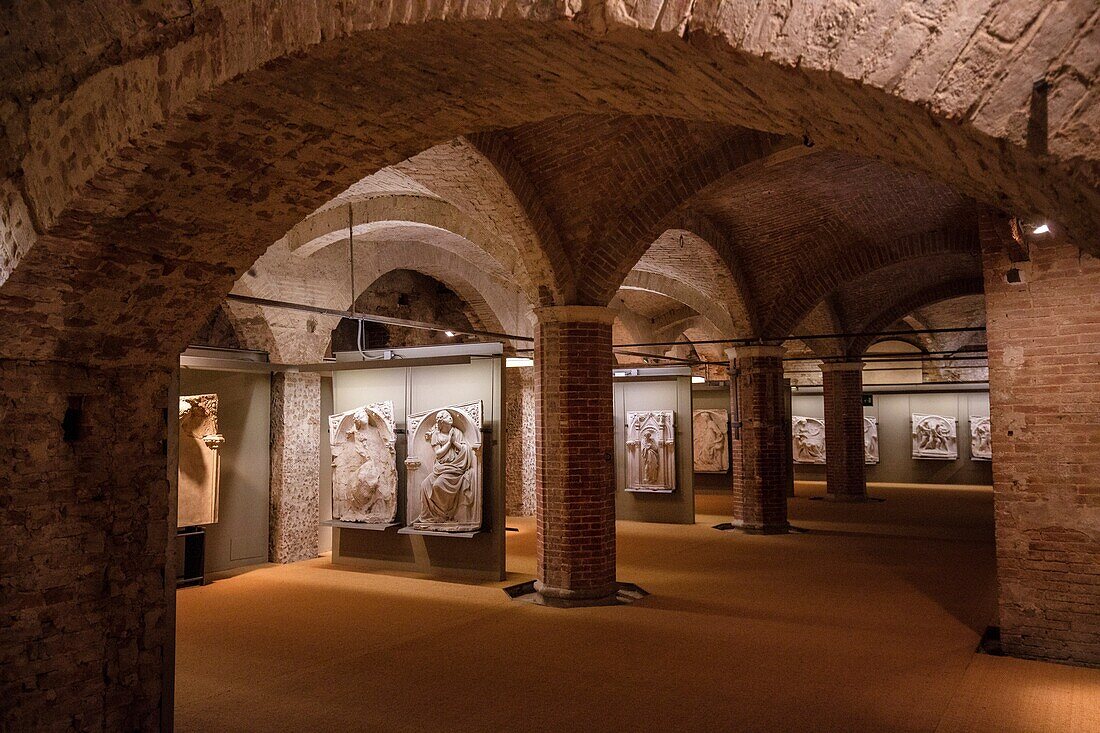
(85, 576)
(519, 479)
(295, 461)
(1044, 379)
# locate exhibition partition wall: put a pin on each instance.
(239, 537)
(898, 413)
(653, 445)
(412, 389)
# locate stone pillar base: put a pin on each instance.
(567, 598)
(848, 498)
(746, 528)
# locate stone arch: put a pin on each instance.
(378, 212)
(689, 295)
(936, 293)
(808, 291)
(161, 185)
(693, 251)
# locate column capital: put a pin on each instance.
(852, 365)
(749, 351)
(574, 314)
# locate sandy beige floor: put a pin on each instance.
(866, 623)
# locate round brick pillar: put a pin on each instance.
(845, 470)
(762, 461)
(574, 455)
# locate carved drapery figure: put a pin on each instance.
(808, 439)
(199, 460)
(650, 451)
(448, 489)
(981, 438)
(870, 440)
(934, 436)
(364, 464)
(710, 430)
(444, 466)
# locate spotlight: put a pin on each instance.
(518, 361)
(449, 334)
(1041, 229)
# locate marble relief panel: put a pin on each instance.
(199, 460)
(981, 436)
(364, 464)
(650, 451)
(935, 437)
(808, 439)
(444, 466)
(710, 437)
(870, 440)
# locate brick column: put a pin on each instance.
(845, 471)
(761, 444)
(1043, 332)
(295, 466)
(575, 469)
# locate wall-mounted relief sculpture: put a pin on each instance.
(650, 451)
(199, 461)
(935, 436)
(444, 469)
(808, 439)
(981, 436)
(364, 464)
(710, 437)
(870, 440)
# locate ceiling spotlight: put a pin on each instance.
(1041, 229)
(449, 334)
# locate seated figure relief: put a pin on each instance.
(444, 469)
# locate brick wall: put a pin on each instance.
(574, 429)
(84, 537)
(295, 458)
(761, 446)
(845, 472)
(1044, 375)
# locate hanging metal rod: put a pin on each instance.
(383, 320)
(806, 337)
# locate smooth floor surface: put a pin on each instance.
(867, 622)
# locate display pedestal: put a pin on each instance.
(193, 567)
(431, 533)
(381, 527)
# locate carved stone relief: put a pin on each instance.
(364, 464)
(199, 460)
(981, 436)
(650, 451)
(808, 439)
(935, 436)
(870, 440)
(710, 437)
(445, 469)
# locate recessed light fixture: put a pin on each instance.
(696, 379)
(449, 334)
(1041, 229)
(518, 361)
